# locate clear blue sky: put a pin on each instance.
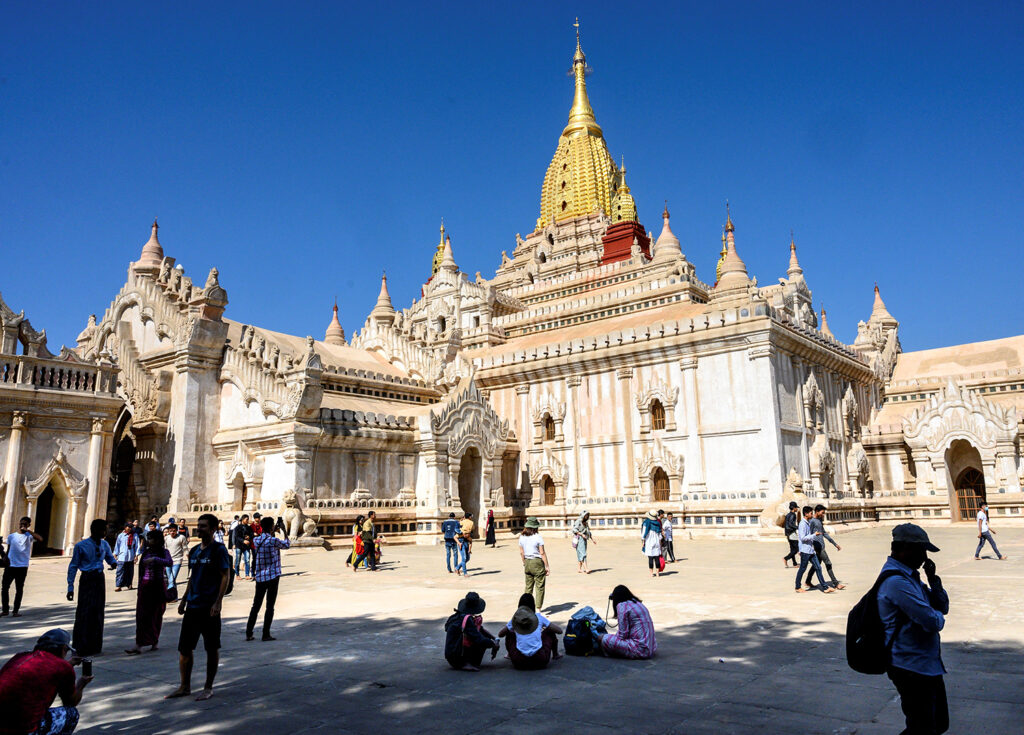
(303, 147)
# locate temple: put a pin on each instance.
(595, 370)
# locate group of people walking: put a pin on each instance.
(806, 535)
(657, 535)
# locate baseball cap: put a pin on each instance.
(54, 638)
(909, 533)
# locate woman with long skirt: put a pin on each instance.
(153, 591)
(357, 542)
(582, 536)
(491, 540)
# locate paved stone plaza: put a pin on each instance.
(738, 650)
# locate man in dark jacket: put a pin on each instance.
(241, 540)
(790, 527)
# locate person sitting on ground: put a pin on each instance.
(635, 636)
(30, 682)
(466, 640)
(530, 638)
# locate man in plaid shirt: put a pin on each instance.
(266, 549)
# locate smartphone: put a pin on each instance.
(86, 667)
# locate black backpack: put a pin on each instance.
(866, 649)
(578, 639)
(790, 523)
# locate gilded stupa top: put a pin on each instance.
(438, 254)
(582, 177)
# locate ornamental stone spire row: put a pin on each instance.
(824, 323)
(383, 312)
(335, 334)
(448, 258)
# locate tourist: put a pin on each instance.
(466, 525)
(177, 545)
(490, 538)
(667, 529)
(209, 572)
(581, 537)
(242, 540)
(535, 560)
(635, 635)
(912, 615)
(182, 528)
(357, 541)
(19, 552)
(126, 546)
(817, 524)
(650, 532)
(153, 592)
(367, 532)
(218, 535)
(789, 527)
(266, 563)
(985, 534)
(29, 683)
(230, 539)
(151, 526)
(806, 538)
(257, 524)
(139, 532)
(88, 557)
(531, 640)
(466, 640)
(450, 532)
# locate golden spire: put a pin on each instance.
(728, 218)
(721, 258)
(438, 254)
(581, 115)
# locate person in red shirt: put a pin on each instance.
(30, 682)
(257, 528)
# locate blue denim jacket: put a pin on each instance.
(450, 529)
(905, 602)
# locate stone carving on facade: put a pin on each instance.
(794, 483)
(857, 468)
(657, 455)
(467, 419)
(664, 394)
(58, 465)
(548, 406)
(814, 403)
(545, 464)
(299, 525)
(851, 423)
(823, 465)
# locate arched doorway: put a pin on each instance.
(550, 494)
(123, 502)
(970, 493)
(963, 462)
(50, 522)
(470, 471)
(659, 481)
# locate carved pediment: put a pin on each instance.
(467, 418)
(956, 412)
(659, 456)
(58, 465)
(547, 464)
(246, 463)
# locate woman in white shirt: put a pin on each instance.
(530, 638)
(535, 560)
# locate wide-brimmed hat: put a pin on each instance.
(471, 604)
(532, 523)
(54, 638)
(652, 515)
(524, 621)
(909, 533)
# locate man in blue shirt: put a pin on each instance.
(912, 614)
(450, 530)
(126, 547)
(806, 537)
(87, 558)
(19, 551)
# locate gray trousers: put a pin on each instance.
(987, 536)
(825, 562)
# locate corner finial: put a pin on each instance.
(576, 25)
(665, 213)
(729, 227)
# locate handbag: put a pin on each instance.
(575, 540)
(661, 564)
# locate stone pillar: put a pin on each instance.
(801, 408)
(454, 465)
(625, 378)
(72, 535)
(15, 456)
(362, 461)
(645, 416)
(770, 418)
(694, 449)
(573, 384)
(92, 474)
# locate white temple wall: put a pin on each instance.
(235, 413)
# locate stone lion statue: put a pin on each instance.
(774, 514)
(297, 522)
